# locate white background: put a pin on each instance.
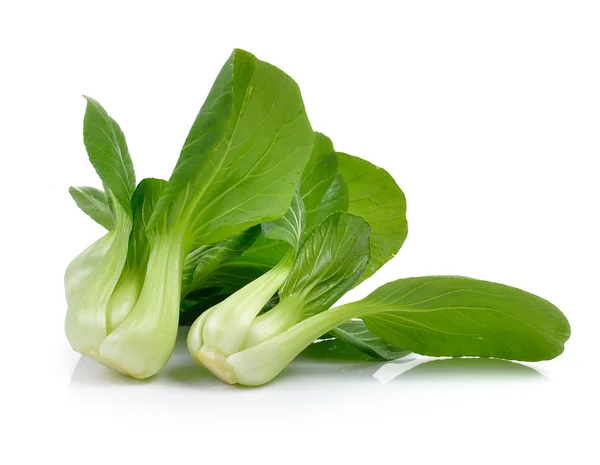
(487, 113)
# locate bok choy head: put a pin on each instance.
(436, 315)
(432, 315)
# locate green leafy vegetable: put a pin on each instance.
(260, 229)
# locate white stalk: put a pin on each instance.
(89, 283)
(124, 298)
(268, 325)
(142, 344)
(261, 363)
(225, 327)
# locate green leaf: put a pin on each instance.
(335, 350)
(234, 274)
(107, 150)
(356, 334)
(94, 204)
(334, 200)
(330, 262)
(317, 179)
(456, 316)
(143, 202)
(323, 192)
(202, 262)
(375, 196)
(289, 227)
(243, 157)
(320, 170)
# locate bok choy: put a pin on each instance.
(260, 229)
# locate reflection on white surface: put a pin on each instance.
(182, 372)
(335, 398)
(319, 363)
(455, 369)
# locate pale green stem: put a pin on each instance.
(268, 325)
(124, 298)
(226, 326)
(143, 343)
(89, 283)
(263, 362)
(194, 337)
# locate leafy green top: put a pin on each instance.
(456, 316)
(243, 157)
(108, 153)
(375, 196)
